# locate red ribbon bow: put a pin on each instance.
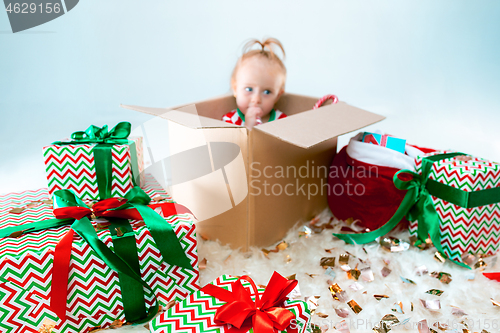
(105, 208)
(265, 315)
(62, 253)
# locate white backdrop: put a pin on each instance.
(431, 67)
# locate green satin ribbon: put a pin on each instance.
(125, 259)
(417, 204)
(105, 139)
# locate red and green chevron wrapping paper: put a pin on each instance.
(72, 167)
(465, 230)
(94, 298)
(196, 313)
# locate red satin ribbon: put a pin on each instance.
(104, 209)
(265, 315)
(62, 253)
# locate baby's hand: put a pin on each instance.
(251, 116)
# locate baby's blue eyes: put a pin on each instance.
(266, 92)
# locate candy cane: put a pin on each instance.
(323, 99)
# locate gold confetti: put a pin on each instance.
(312, 275)
(288, 259)
(411, 307)
(95, 329)
(116, 324)
(48, 202)
(119, 232)
(326, 262)
(495, 303)
(170, 304)
(439, 257)
(436, 292)
(319, 329)
(354, 306)
(16, 210)
(202, 264)
(321, 315)
(33, 204)
(441, 326)
(444, 277)
(354, 273)
(47, 326)
(334, 288)
(329, 250)
(405, 280)
(393, 244)
(379, 297)
(385, 271)
(386, 323)
(291, 277)
(344, 259)
(266, 252)
(282, 246)
(480, 264)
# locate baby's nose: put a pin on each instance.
(256, 98)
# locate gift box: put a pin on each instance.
(248, 188)
(465, 192)
(95, 296)
(96, 164)
(385, 140)
(200, 312)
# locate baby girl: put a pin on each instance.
(257, 82)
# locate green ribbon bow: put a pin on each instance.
(417, 204)
(125, 258)
(105, 140)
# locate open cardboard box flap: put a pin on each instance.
(185, 115)
(309, 128)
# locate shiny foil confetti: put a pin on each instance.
(116, 324)
(379, 297)
(444, 277)
(386, 323)
(342, 327)
(329, 250)
(288, 259)
(385, 271)
(398, 307)
(441, 326)
(330, 272)
(291, 277)
(202, 264)
(334, 288)
(495, 303)
(343, 313)
(341, 296)
(421, 270)
(480, 264)
(367, 274)
(431, 305)
(345, 268)
(282, 246)
(405, 280)
(423, 327)
(321, 315)
(468, 259)
(33, 204)
(436, 292)
(354, 306)
(344, 259)
(354, 273)
(16, 210)
(305, 231)
(326, 262)
(439, 257)
(456, 311)
(356, 286)
(393, 244)
(319, 329)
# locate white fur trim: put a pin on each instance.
(381, 156)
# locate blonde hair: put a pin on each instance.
(266, 51)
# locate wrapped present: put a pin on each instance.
(465, 193)
(453, 199)
(72, 274)
(97, 163)
(385, 140)
(230, 304)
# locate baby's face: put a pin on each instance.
(258, 84)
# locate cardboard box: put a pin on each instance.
(248, 188)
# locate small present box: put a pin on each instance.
(465, 193)
(385, 140)
(198, 312)
(96, 164)
(95, 298)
